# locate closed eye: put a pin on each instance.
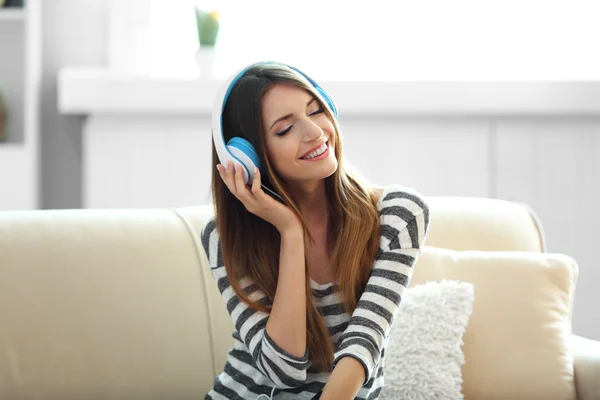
(319, 111)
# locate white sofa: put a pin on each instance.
(120, 303)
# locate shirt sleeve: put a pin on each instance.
(404, 225)
(282, 368)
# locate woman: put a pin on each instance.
(312, 281)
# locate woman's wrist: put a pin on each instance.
(291, 229)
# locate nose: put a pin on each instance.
(313, 131)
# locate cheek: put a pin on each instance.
(280, 154)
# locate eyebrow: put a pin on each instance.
(289, 115)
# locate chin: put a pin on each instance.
(325, 172)
(328, 170)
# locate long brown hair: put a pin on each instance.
(250, 245)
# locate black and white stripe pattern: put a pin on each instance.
(282, 368)
(404, 219)
(256, 363)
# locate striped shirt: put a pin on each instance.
(256, 364)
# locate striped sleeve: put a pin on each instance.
(282, 368)
(404, 224)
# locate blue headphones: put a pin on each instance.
(239, 150)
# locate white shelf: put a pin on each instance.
(9, 148)
(16, 169)
(12, 14)
(11, 156)
(21, 76)
(92, 90)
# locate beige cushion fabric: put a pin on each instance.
(517, 342)
(469, 223)
(101, 304)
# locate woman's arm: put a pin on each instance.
(278, 344)
(345, 381)
(287, 322)
(405, 220)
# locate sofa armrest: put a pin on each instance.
(586, 356)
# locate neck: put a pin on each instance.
(312, 200)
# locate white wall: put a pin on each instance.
(73, 34)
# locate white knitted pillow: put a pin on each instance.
(423, 355)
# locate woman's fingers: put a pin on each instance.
(228, 177)
(226, 172)
(256, 183)
(240, 186)
(234, 180)
(222, 172)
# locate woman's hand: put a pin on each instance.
(256, 200)
(345, 381)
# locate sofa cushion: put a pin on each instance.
(423, 355)
(517, 342)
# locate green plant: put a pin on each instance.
(208, 27)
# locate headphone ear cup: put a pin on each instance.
(245, 155)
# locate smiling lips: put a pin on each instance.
(315, 152)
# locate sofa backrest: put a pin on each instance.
(470, 223)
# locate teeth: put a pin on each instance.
(317, 152)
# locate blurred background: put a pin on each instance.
(106, 103)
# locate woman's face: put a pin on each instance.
(299, 136)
